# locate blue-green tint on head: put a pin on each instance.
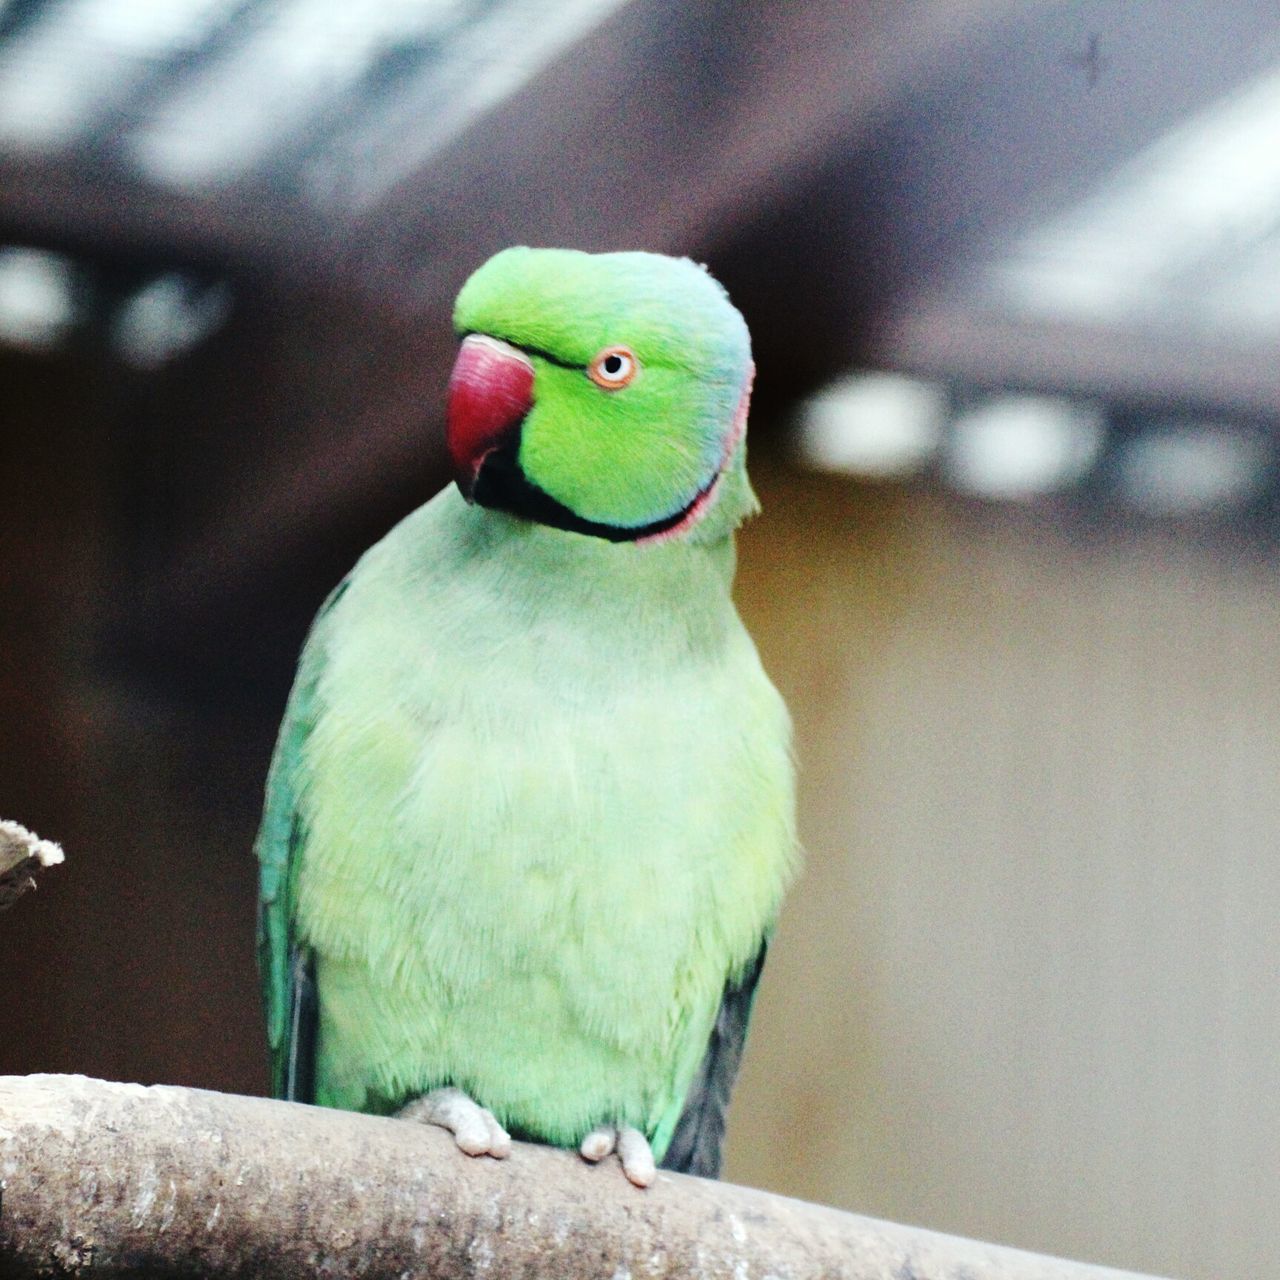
(632, 458)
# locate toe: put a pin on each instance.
(470, 1132)
(475, 1130)
(598, 1143)
(637, 1157)
(499, 1138)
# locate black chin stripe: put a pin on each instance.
(502, 485)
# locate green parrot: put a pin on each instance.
(530, 817)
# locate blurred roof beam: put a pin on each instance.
(50, 201)
(941, 340)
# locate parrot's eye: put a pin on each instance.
(613, 368)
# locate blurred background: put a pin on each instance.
(1013, 274)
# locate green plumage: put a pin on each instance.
(531, 808)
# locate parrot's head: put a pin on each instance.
(604, 394)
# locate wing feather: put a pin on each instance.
(284, 967)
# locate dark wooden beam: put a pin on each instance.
(1161, 369)
(93, 207)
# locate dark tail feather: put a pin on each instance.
(699, 1137)
(300, 1069)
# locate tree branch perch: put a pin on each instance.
(118, 1179)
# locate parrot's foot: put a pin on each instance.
(474, 1129)
(632, 1147)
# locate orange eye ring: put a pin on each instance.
(614, 368)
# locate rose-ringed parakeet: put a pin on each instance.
(530, 816)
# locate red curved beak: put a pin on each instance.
(490, 391)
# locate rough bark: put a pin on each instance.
(118, 1179)
(22, 854)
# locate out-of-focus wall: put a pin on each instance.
(1027, 989)
(134, 960)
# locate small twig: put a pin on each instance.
(22, 854)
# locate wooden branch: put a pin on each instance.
(22, 854)
(125, 1180)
